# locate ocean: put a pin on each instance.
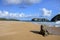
(50, 24)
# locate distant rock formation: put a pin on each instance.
(40, 19)
(56, 18)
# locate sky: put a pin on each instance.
(28, 9)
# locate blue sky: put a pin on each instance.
(28, 9)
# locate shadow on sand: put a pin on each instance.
(38, 32)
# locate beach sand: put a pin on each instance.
(16, 30)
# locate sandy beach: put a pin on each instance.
(16, 30)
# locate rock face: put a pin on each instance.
(56, 18)
(40, 19)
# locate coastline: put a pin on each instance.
(17, 30)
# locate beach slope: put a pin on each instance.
(16, 30)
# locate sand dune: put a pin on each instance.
(15, 30)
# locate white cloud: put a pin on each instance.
(13, 15)
(6, 14)
(34, 1)
(22, 15)
(46, 12)
(13, 1)
(21, 1)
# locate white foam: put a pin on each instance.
(57, 22)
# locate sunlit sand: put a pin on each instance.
(16, 30)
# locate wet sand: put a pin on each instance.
(15, 30)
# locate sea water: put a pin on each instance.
(49, 24)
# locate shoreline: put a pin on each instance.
(13, 30)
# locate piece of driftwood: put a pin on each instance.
(43, 30)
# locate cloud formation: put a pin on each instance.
(21, 1)
(46, 12)
(13, 1)
(6, 14)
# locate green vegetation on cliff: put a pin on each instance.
(5, 19)
(56, 18)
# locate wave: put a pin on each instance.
(50, 24)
